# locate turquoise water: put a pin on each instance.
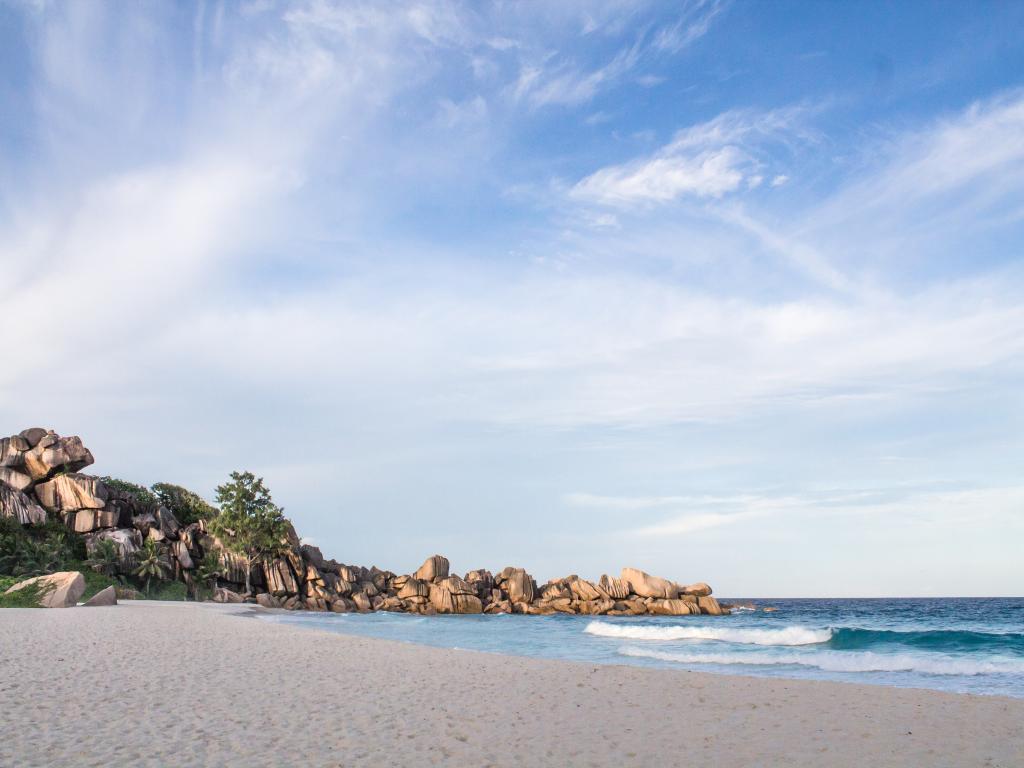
(971, 645)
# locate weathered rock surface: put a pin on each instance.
(616, 589)
(518, 584)
(699, 589)
(453, 595)
(56, 590)
(16, 504)
(54, 454)
(645, 585)
(710, 606)
(14, 478)
(104, 597)
(72, 492)
(434, 567)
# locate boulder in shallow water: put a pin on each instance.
(645, 585)
(710, 606)
(453, 595)
(700, 589)
(671, 608)
(518, 584)
(56, 590)
(362, 602)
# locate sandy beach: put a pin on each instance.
(206, 685)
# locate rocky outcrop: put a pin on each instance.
(434, 567)
(645, 585)
(697, 590)
(37, 465)
(55, 590)
(15, 479)
(453, 595)
(16, 504)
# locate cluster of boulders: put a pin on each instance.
(40, 476)
(432, 589)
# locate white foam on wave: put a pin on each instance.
(840, 661)
(794, 635)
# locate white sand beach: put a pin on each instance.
(159, 684)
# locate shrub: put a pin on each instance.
(34, 551)
(26, 597)
(142, 496)
(186, 506)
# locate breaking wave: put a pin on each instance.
(785, 636)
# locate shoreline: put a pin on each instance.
(114, 684)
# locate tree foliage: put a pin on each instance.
(250, 522)
(143, 496)
(186, 506)
(151, 563)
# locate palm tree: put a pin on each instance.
(209, 569)
(105, 557)
(151, 564)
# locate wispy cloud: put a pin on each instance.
(708, 160)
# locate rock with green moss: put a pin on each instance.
(55, 590)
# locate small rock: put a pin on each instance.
(106, 596)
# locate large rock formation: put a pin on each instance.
(645, 585)
(40, 475)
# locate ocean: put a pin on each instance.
(973, 645)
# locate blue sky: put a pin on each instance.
(725, 291)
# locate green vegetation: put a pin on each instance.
(105, 557)
(35, 550)
(151, 564)
(26, 597)
(186, 506)
(142, 495)
(250, 523)
(209, 570)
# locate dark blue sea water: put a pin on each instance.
(971, 645)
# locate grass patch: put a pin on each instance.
(26, 597)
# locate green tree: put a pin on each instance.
(209, 570)
(151, 564)
(250, 523)
(186, 506)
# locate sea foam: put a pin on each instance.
(840, 661)
(794, 635)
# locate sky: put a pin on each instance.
(726, 291)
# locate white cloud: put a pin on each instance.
(708, 160)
